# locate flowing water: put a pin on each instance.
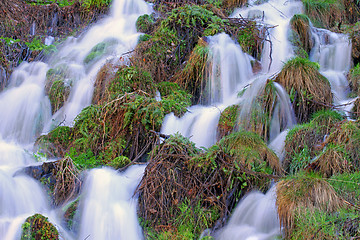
(107, 207)
(25, 111)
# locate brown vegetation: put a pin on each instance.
(304, 193)
(309, 91)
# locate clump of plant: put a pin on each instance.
(70, 212)
(176, 169)
(227, 121)
(354, 79)
(97, 51)
(304, 193)
(194, 75)
(300, 25)
(309, 91)
(173, 98)
(145, 23)
(306, 141)
(324, 13)
(38, 227)
(130, 79)
(356, 109)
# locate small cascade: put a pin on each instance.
(230, 71)
(25, 112)
(333, 52)
(273, 13)
(278, 145)
(24, 108)
(283, 116)
(104, 42)
(255, 217)
(108, 209)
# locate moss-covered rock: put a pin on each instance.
(354, 79)
(176, 169)
(227, 121)
(145, 23)
(38, 227)
(309, 91)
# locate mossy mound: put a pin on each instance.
(145, 23)
(178, 173)
(57, 87)
(300, 24)
(227, 121)
(119, 131)
(322, 224)
(309, 91)
(304, 193)
(355, 43)
(103, 79)
(354, 79)
(305, 141)
(38, 227)
(176, 35)
(70, 211)
(347, 137)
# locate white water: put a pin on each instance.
(230, 71)
(333, 52)
(109, 209)
(255, 218)
(25, 111)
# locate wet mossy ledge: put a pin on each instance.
(172, 201)
(38, 227)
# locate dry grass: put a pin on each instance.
(304, 193)
(234, 3)
(356, 109)
(309, 91)
(332, 161)
(104, 77)
(178, 173)
(67, 181)
(194, 75)
(300, 24)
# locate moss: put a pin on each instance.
(69, 213)
(171, 203)
(227, 121)
(130, 79)
(354, 79)
(58, 94)
(173, 98)
(38, 227)
(309, 91)
(356, 109)
(306, 141)
(96, 52)
(145, 23)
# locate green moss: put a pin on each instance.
(145, 23)
(130, 79)
(347, 185)
(38, 227)
(227, 121)
(58, 94)
(354, 79)
(96, 52)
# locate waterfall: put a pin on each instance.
(108, 209)
(230, 71)
(25, 113)
(255, 217)
(333, 52)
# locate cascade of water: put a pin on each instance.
(108, 209)
(230, 71)
(275, 13)
(25, 110)
(113, 36)
(333, 52)
(255, 217)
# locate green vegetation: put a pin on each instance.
(145, 23)
(38, 227)
(301, 35)
(227, 121)
(324, 13)
(309, 91)
(354, 79)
